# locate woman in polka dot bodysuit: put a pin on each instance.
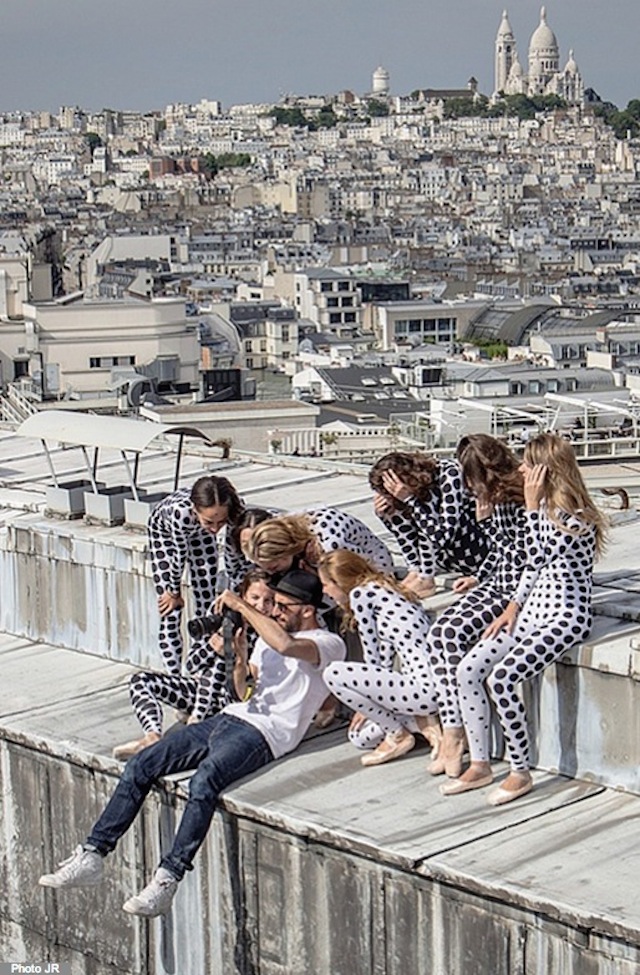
(301, 539)
(491, 472)
(198, 694)
(182, 531)
(387, 703)
(425, 504)
(550, 612)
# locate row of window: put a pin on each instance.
(108, 361)
(425, 326)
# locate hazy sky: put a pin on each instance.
(144, 54)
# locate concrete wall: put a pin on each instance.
(265, 899)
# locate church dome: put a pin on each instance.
(543, 40)
(571, 66)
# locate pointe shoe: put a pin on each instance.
(500, 796)
(436, 767)
(429, 727)
(123, 752)
(465, 785)
(394, 745)
(452, 751)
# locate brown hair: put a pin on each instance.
(416, 470)
(564, 487)
(210, 491)
(251, 577)
(348, 569)
(490, 470)
(250, 518)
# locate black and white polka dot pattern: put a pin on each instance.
(176, 540)
(388, 625)
(441, 534)
(555, 617)
(200, 695)
(459, 628)
(336, 529)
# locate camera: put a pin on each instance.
(205, 626)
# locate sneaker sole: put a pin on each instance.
(56, 884)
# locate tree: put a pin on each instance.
(93, 140)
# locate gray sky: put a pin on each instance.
(143, 54)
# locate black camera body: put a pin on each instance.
(205, 626)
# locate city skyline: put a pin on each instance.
(140, 56)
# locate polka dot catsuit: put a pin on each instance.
(440, 533)
(460, 626)
(388, 624)
(336, 529)
(176, 539)
(555, 595)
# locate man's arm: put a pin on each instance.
(270, 631)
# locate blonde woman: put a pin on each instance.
(389, 705)
(550, 612)
(299, 540)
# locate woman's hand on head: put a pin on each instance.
(396, 487)
(534, 485)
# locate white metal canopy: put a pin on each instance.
(88, 430)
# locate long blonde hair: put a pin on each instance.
(347, 570)
(564, 487)
(279, 537)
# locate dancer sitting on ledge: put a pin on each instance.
(389, 705)
(550, 612)
(288, 661)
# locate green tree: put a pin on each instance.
(377, 108)
(93, 140)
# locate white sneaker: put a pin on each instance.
(156, 897)
(82, 869)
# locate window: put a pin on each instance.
(349, 316)
(248, 345)
(332, 302)
(285, 333)
(335, 318)
(326, 286)
(95, 362)
(343, 286)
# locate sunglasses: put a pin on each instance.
(285, 607)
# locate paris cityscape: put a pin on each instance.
(275, 296)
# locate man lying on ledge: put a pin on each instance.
(287, 664)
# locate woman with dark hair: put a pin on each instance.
(201, 691)
(491, 472)
(548, 613)
(425, 504)
(389, 704)
(182, 531)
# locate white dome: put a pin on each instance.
(571, 66)
(516, 70)
(543, 40)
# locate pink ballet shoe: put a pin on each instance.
(394, 745)
(465, 785)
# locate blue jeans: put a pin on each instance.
(222, 749)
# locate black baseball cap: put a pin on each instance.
(299, 584)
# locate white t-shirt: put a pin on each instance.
(288, 691)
